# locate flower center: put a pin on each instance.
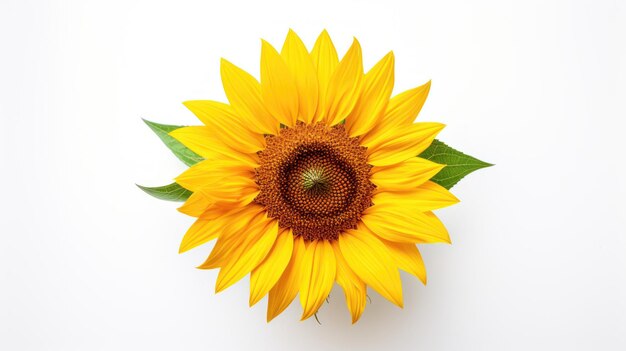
(314, 180)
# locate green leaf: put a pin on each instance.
(171, 192)
(458, 164)
(183, 153)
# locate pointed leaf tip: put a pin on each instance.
(458, 164)
(183, 153)
(170, 192)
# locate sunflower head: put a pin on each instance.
(314, 179)
(310, 177)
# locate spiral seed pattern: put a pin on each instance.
(314, 180)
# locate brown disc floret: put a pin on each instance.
(315, 180)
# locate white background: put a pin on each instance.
(89, 262)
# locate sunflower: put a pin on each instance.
(310, 177)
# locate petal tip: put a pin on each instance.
(265, 45)
(253, 300)
(219, 287)
(356, 44)
(356, 317)
(182, 248)
(306, 315)
(270, 315)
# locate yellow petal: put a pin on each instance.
(232, 234)
(370, 259)
(249, 195)
(287, 287)
(221, 210)
(224, 248)
(221, 181)
(318, 275)
(401, 111)
(195, 205)
(404, 108)
(399, 224)
(344, 86)
(301, 66)
(353, 287)
(244, 94)
(226, 126)
(426, 197)
(228, 194)
(201, 140)
(325, 60)
(210, 225)
(402, 143)
(209, 173)
(375, 93)
(408, 258)
(200, 232)
(252, 250)
(405, 175)
(266, 274)
(278, 86)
